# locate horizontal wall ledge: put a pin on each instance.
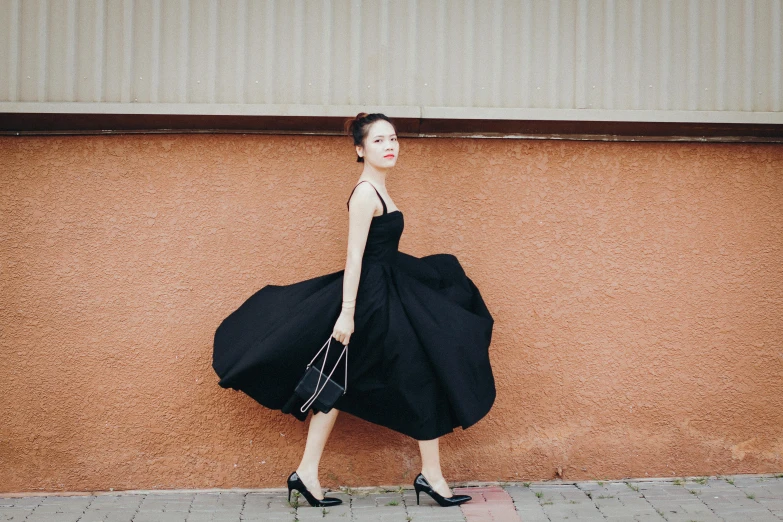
(587, 124)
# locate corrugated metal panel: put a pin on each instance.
(445, 57)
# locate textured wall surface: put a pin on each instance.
(637, 290)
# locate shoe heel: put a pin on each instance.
(419, 488)
(302, 489)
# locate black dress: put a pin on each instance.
(418, 360)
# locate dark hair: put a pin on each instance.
(359, 126)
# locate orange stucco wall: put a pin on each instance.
(637, 290)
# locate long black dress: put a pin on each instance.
(418, 357)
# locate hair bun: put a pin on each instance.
(351, 123)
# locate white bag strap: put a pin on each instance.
(317, 392)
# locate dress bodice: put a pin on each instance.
(383, 238)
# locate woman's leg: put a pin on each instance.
(430, 466)
(320, 427)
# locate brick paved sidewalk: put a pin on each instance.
(738, 498)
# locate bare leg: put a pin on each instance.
(320, 427)
(430, 466)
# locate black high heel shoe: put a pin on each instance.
(294, 482)
(421, 484)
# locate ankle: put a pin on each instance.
(432, 475)
(308, 472)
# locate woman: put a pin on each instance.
(418, 330)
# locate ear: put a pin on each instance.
(359, 151)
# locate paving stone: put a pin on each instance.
(527, 504)
(367, 501)
(340, 512)
(94, 516)
(159, 516)
(17, 510)
(310, 513)
(206, 517)
(374, 517)
(54, 517)
(119, 517)
(488, 503)
(269, 517)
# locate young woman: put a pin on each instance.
(418, 333)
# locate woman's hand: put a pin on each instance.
(343, 328)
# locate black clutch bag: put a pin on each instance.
(318, 389)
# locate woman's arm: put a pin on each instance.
(361, 207)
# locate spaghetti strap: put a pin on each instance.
(376, 191)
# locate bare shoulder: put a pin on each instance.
(364, 196)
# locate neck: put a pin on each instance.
(375, 175)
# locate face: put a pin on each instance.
(381, 148)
